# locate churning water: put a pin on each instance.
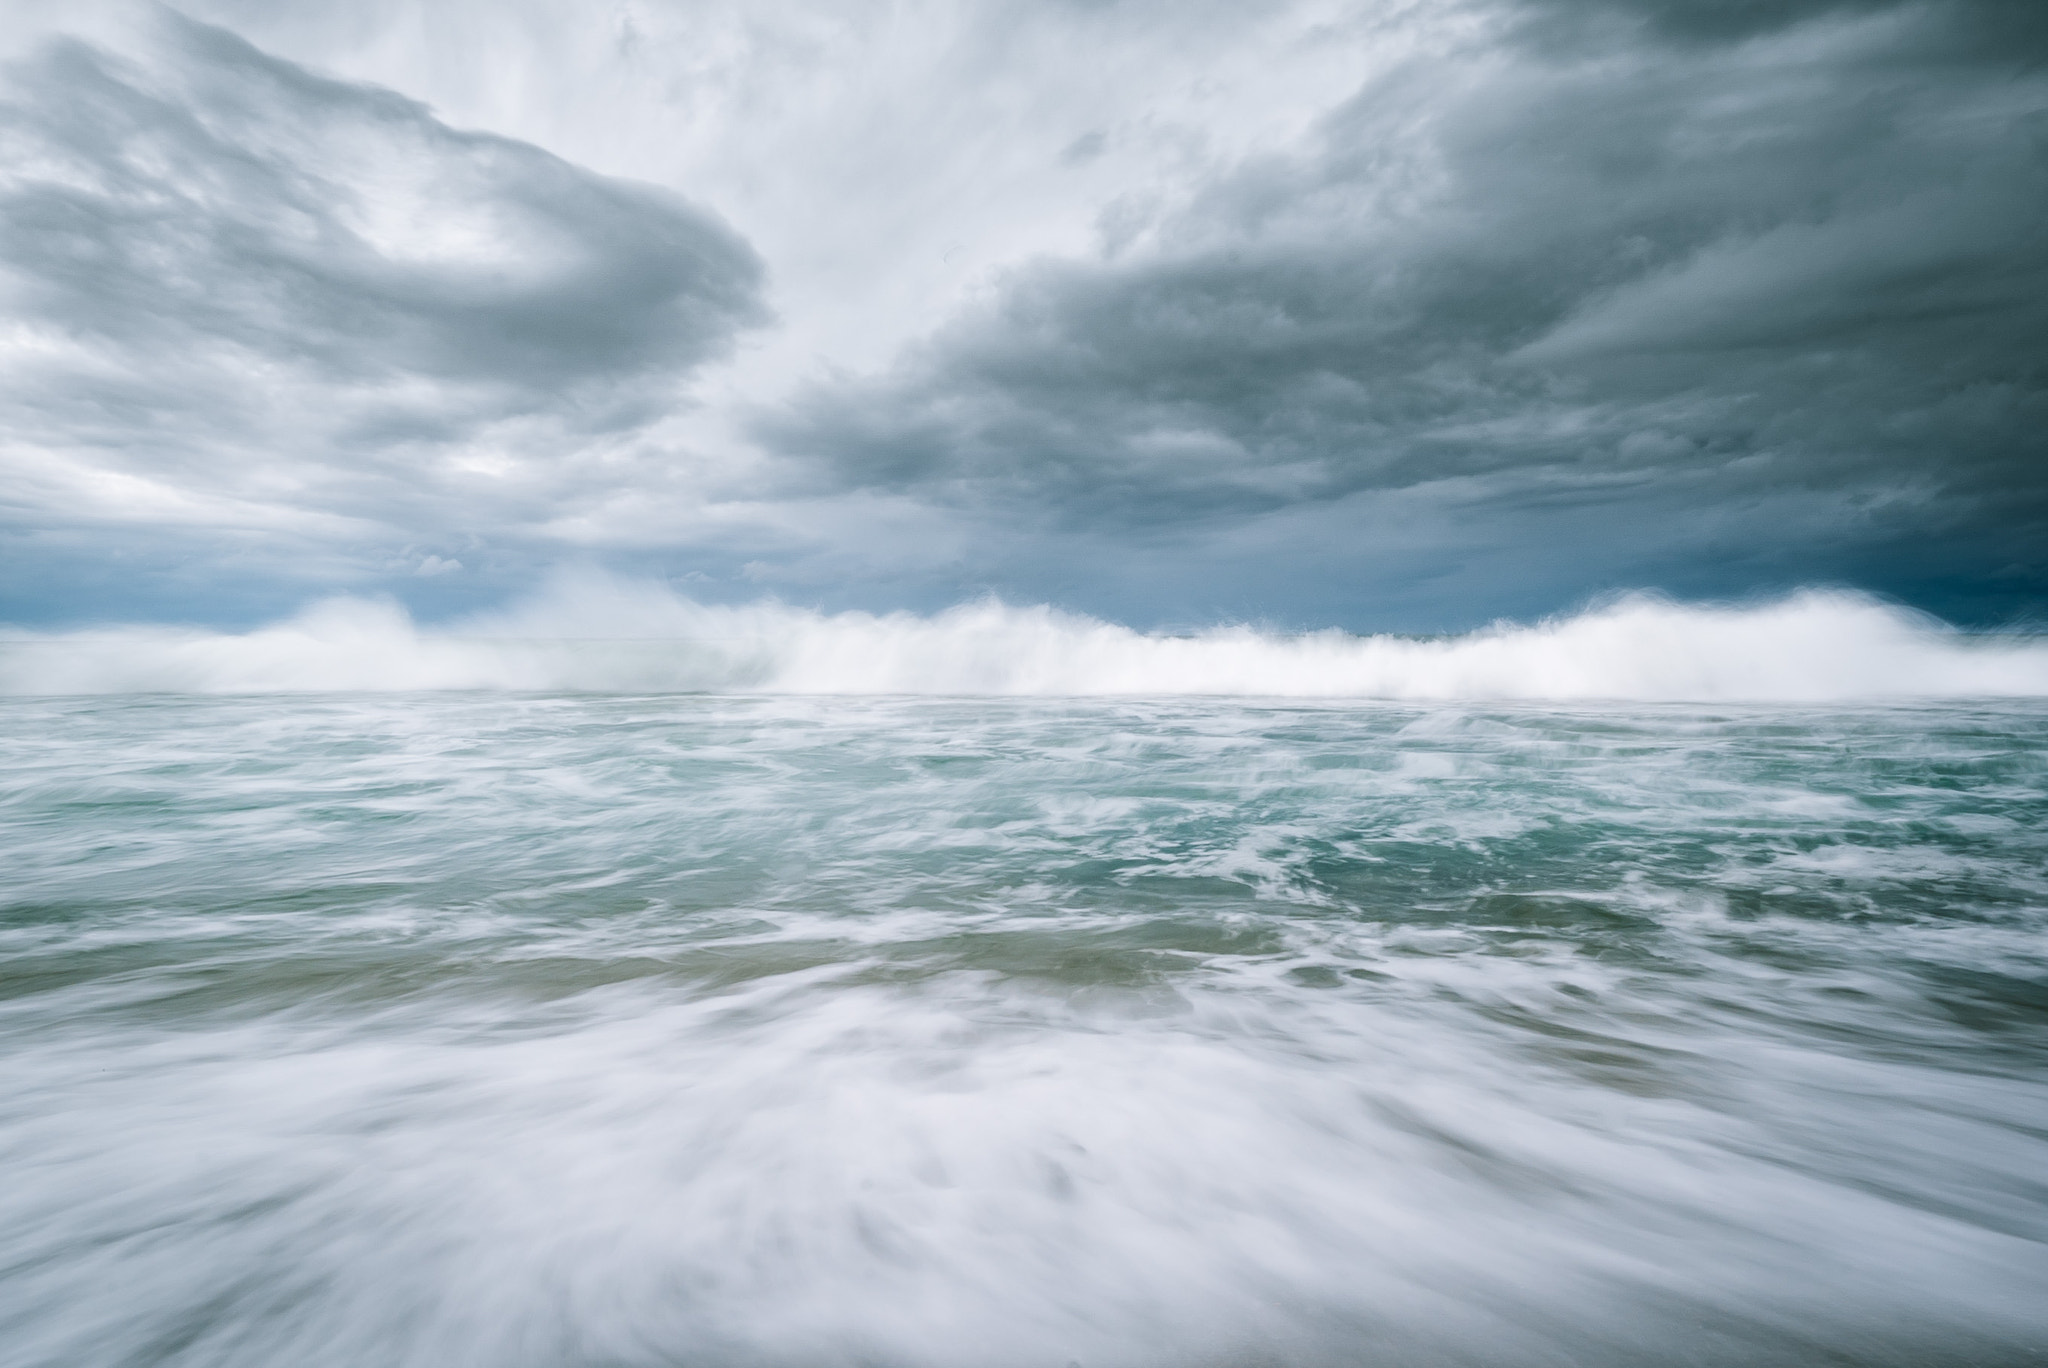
(509, 1029)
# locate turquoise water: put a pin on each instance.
(448, 1029)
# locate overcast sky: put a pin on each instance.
(1400, 314)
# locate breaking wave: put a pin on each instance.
(607, 636)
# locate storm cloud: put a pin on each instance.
(268, 309)
(1331, 311)
(1717, 297)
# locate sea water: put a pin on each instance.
(552, 1029)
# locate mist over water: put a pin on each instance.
(444, 1028)
(595, 634)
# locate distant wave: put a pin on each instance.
(597, 635)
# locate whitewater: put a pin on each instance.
(596, 634)
(613, 981)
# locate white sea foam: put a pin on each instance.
(381, 1031)
(601, 635)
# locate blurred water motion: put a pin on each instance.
(519, 1030)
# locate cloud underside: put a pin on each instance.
(245, 301)
(1719, 295)
(1710, 295)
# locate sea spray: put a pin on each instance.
(606, 636)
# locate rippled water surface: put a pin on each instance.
(518, 1030)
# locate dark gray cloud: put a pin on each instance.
(237, 203)
(1719, 296)
(1394, 315)
(251, 302)
(1976, 26)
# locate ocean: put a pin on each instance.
(522, 1002)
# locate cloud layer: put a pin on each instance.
(1774, 292)
(254, 306)
(1353, 311)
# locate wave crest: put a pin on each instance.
(597, 635)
